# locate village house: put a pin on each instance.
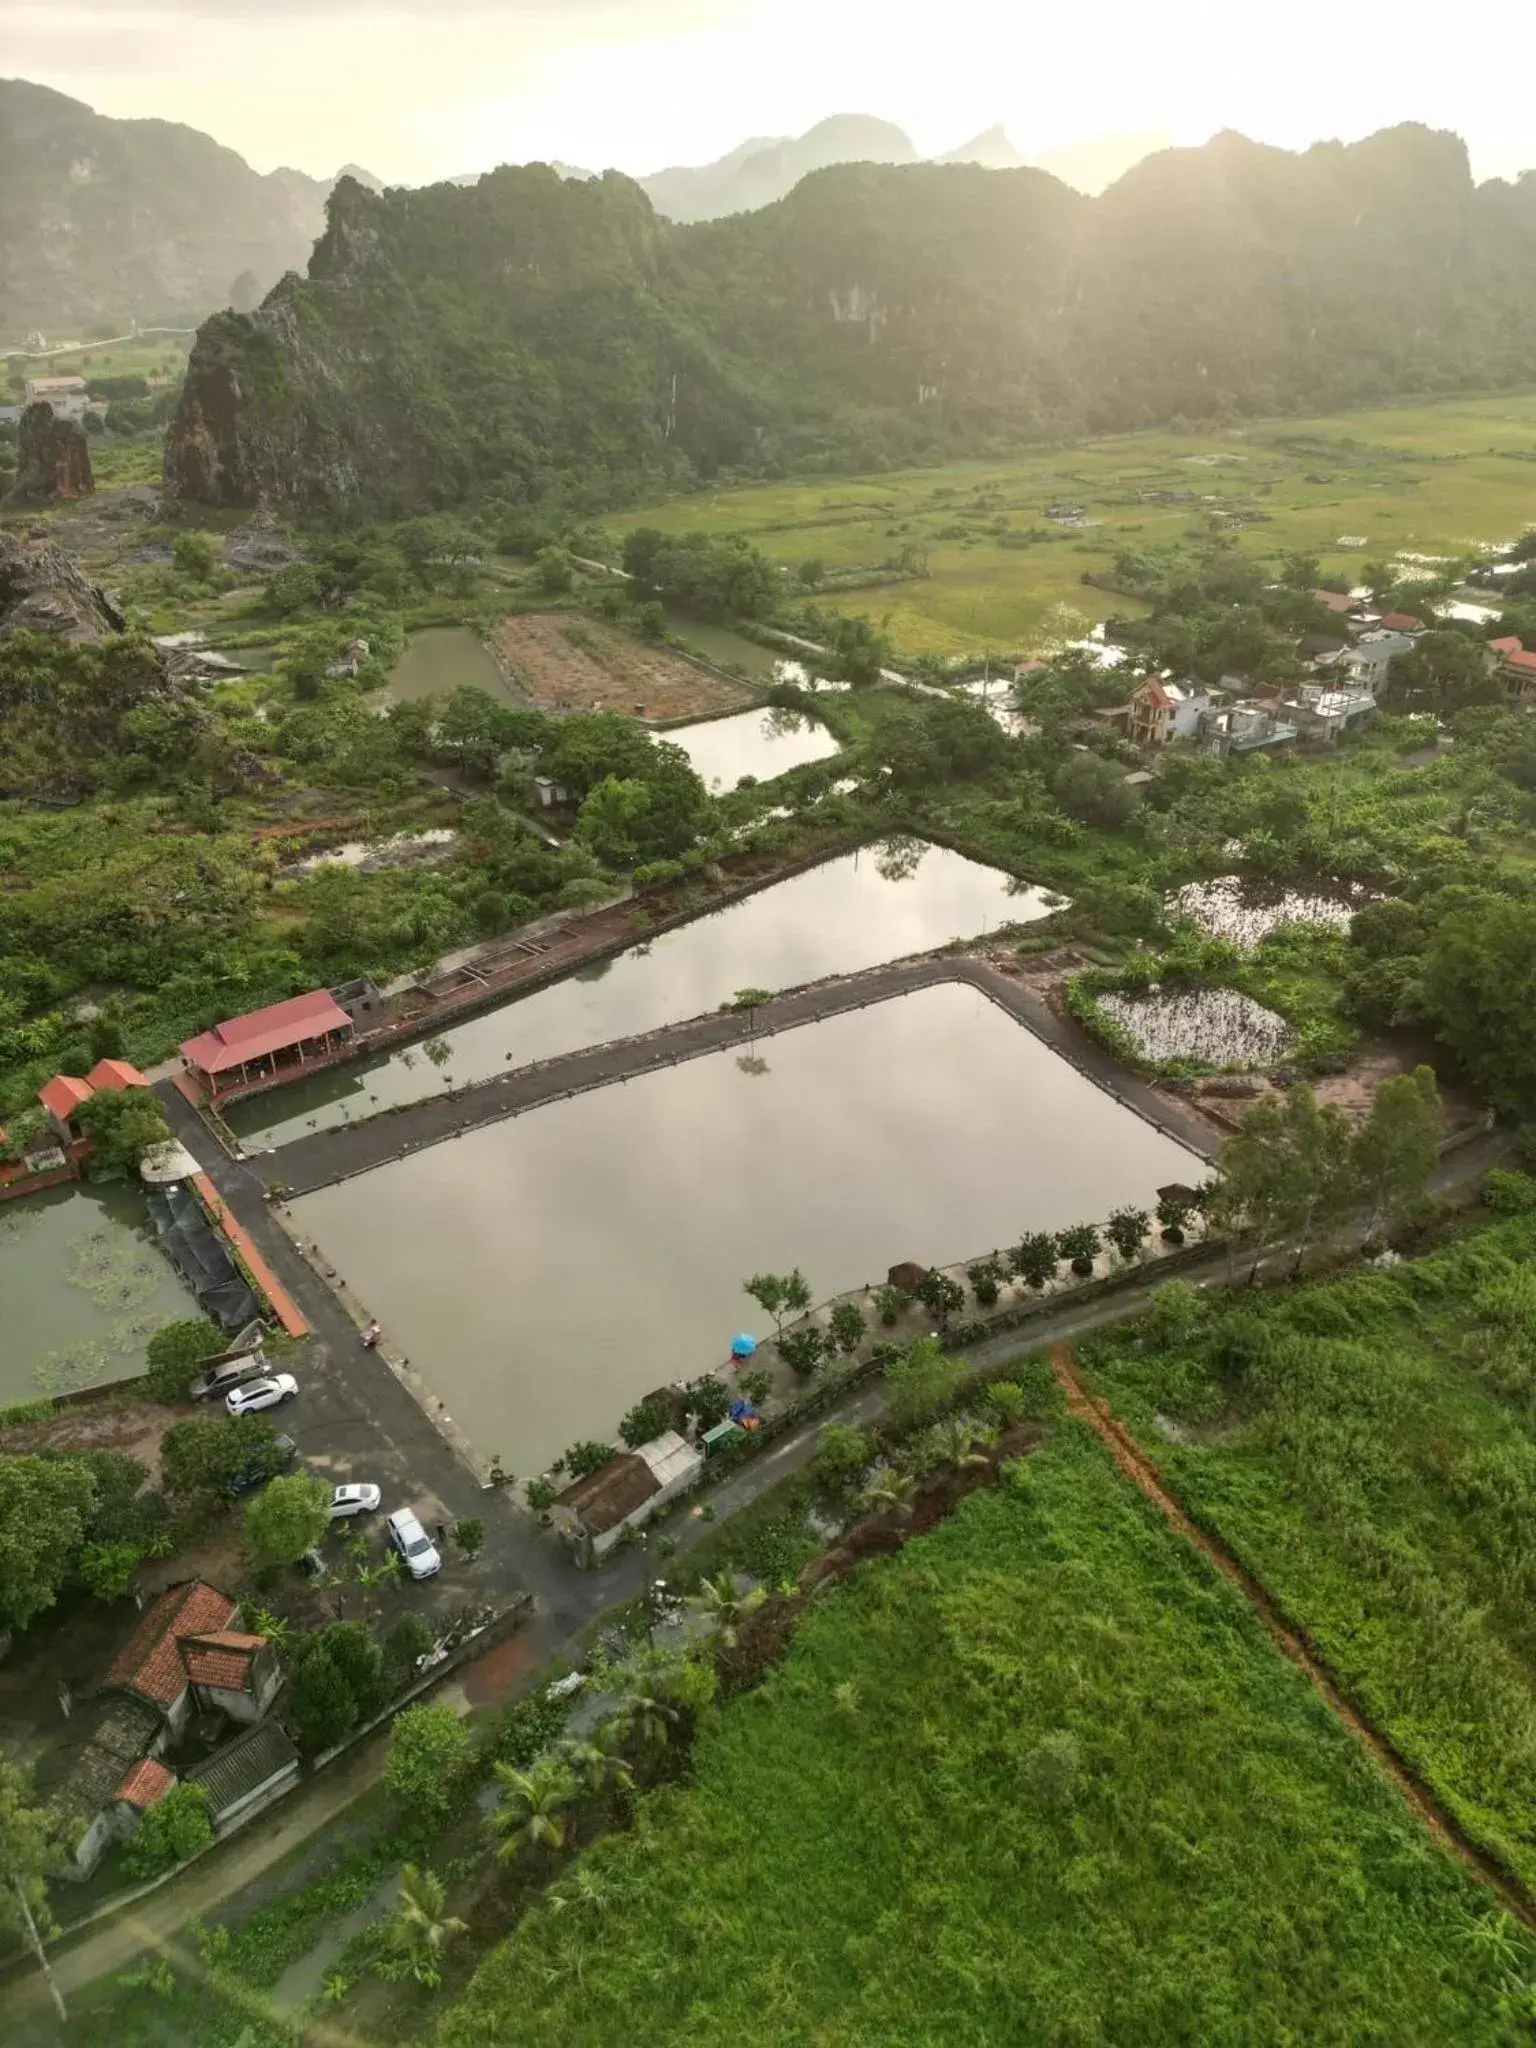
(1517, 665)
(1320, 715)
(593, 1513)
(1159, 711)
(288, 1035)
(66, 396)
(1246, 727)
(63, 1097)
(246, 1774)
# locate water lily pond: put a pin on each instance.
(1242, 913)
(1214, 1027)
(880, 903)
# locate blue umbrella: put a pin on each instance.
(743, 1346)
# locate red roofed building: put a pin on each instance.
(62, 1097)
(1401, 622)
(1517, 665)
(265, 1042)
(110, 1074)
(148, 1781)
(183, 1651)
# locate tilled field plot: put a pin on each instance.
(564, 663)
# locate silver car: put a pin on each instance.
(354, 1500)
(258, 1394)
(416, 1548)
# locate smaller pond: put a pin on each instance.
(763, 744)
(1242, 913)
(367, 854)
(84, 1288)
(441, 659)
(723, 647)
(1217, 1027)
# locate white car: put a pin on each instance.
(354, 1500)
(415, 1546)
(258, 1394)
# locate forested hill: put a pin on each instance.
(103, 222)
(528, 334)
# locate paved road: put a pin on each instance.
(357, 1147)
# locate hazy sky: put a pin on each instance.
(417, 89)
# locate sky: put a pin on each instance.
(422, 89)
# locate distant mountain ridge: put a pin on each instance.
(533, 339)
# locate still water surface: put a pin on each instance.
(759, 743)
(441, 659)
(83, 1287)
(544, 1273)
(850, 913)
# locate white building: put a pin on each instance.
(66, 395)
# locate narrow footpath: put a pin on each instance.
(1427, 1809)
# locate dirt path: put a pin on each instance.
(1140, 1470)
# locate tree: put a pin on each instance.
(613, 819)
(351, 1647)
(1442, 672)
(469, 1535)
(751, 1000)
(780, 1294)
(319, 1700)
(29, 1856)
(175, 1353)
(888, 1491)
(408, 1641)
(847, 1325)
(106, 1569)
(1095, 790)
(1287, 1171)
(122, 1124)
(1128, 1230)
(842, 1455)
(195, 555)
(207, 1453)
(1035, 1259)
(1079, 1243)
(45, 1505)
(921, 1381)
(599, 1762)
(658, 1693)
(586, 1455)
(709, 1398)
(287, 1517)
(1008, 1400)
(719, 1602)
(420, 1931)
(1479, 987)
(856, 650)
(812, 573)
(647, 1420)
(553, 571)
(941, 1296)
(174, 1829)
(429, 1749)
(530, 1813)
(1393, 1154)
(1172, 1215)
(960, 1440)
(803, 1350)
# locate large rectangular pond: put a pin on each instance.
(857, 911)
(545, 1272)
(83, 1287)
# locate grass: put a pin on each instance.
(1039, 1778)
(1368, 1449)
(1427, 479)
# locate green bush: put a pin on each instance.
(173, 1829)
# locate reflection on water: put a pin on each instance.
(544, 1273)
(758, 743)
(83, 1287)
(847, 914)
(441, 659)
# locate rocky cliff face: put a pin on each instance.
(53, 461)
(41, 591)
(530, 338)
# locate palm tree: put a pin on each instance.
(598, 1762)
(529, 1815)
(890, 1491)
(718, 1600)
(960, 1441)
(422, 1928)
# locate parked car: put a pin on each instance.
(354, 1500)
(230, 1372)
(284, 1450)
(416, 1548)
(258, 1394)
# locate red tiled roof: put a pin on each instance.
(149, 1663)
(1526, 658)
(1336, 600)
(1510, 644)
(148, 1781)
(262, 1032)
(63, 1095)
(1402, 622)
(115, 1074)
(222, 1657)
(1153, 694)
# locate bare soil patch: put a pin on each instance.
(115, 1423)
(564, 663)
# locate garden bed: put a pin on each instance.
(563, 662)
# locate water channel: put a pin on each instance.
(762, 744)
(83, 1287)
(545, 1272)
(857, 911)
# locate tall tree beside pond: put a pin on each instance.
(780, 1294)
(1394, 1152)
(1479, 987)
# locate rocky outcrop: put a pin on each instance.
(41, 591)
(53, 461)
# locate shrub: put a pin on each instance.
(803, 1350)
(1007, 1402)
(586, 1456)
(842, 1456)
(921, 1381)
(1128, 1230)
(647, 1419)
(709, 1398)
(469, 1535)
(847, 1325)
(984, 1283)
(1506, 1193)
(429, 1748)
(174, 1828)
(889, 1302)
(1079, 1242)
(410, 1638)
(288, 1517)
(1034, 1259)
(757, 1385)
(540, 1494)
(525, 1728)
